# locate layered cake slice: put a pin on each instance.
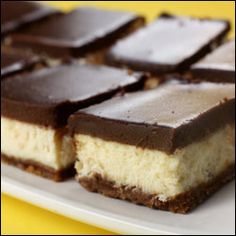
(15, 14)
(169, 44)
(167, 148)
(79, 32)
(35, 108)
(218, 66)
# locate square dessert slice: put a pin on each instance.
(14, 61)
(78, 32)
(15, 14)
(218, 66)
(167, 148)
(170, 43)
(35, 109)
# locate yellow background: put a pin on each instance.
(22, 218)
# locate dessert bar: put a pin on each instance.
(218, 66)
(168, 148)
(79, 32)
(15, 14)
(35, 108)
(13, 62)
(168, 44)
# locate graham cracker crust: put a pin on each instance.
(39, 169)
(181, 203)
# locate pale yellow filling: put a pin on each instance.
(154, 171)
(46, 146)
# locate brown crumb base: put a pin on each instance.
(39, 169)
(181, 203)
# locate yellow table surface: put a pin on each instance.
(22, 218)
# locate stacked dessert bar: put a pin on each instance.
(91, 115)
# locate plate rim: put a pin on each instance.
(87, 214)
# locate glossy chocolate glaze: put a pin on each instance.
(78, 32)
(166, 118)
(17, 13)
(168, 44)
(13, 62)
(47, 97)
(218, 66)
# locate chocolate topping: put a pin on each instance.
(168, 44)
(14, 61)
(78, 32)
(47, 97)
(218, 66)
(17, 13)
(167, 118)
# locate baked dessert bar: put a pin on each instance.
(15, 14)
(79, 32)
(35, 108)
(169, 44)
(168, 148)
(218, 66)
(14, 61)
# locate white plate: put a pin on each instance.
(215, 216)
